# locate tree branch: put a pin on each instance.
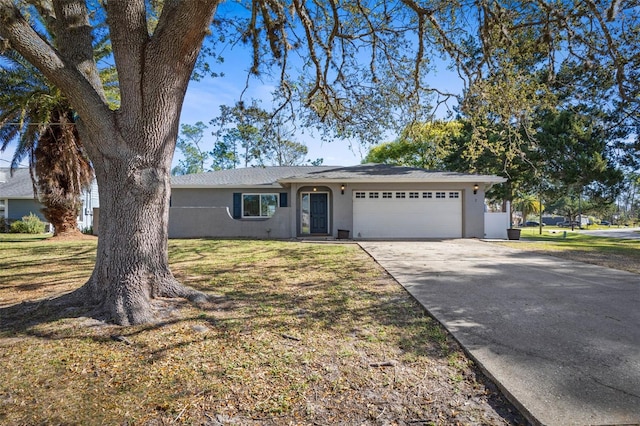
(74, 39)
(128, 29)
(612, 49)
(308, 26)
(60, 70)
(172, 51)
(185, 22)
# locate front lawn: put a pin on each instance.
(302, 334)
(610, 252)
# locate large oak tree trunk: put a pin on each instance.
(132, 267)
(133, 175)
(131, 148)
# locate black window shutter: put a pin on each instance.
(283, 199)
(237, 205)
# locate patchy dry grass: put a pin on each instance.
(304, 334)
(36, 266)
(609, 252)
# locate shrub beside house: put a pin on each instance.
(17, 200)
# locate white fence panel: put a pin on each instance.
(495, 225)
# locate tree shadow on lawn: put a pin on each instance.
(20, 317)
(351, 301)
(46, 270)
(243, 324)
(361, 312)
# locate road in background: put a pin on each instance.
(623, 233)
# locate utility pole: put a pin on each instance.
(580, 209)
(540, 187)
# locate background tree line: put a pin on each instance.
(573, 154)
(245, 136)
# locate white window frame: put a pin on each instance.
(260, 195)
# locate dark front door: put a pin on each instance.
(319, 214)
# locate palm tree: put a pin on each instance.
(37, 116)
(528, 204)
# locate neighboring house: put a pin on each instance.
(17, 199)
(367, 201)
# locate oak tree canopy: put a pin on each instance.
(354, 68)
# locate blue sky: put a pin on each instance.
(203, 100)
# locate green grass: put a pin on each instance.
(18, 238)
(35, 266)
(291, 342)
(610, 252)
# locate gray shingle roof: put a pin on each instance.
(252, 176)
(389, 173)
(17, 186)
(270, 176)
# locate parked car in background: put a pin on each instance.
(605, 223)
(532, 223)
(569, 224)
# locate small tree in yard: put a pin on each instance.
(63, 171)
(528, 204)
(132, 146)
(41, 120)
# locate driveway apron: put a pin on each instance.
(561, 338)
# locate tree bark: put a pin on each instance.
(131, 148)
(64, 222)
(132, 266)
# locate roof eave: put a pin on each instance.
(17, 197)
(464, 179)
(221, 186)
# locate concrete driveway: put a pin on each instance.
(561, 338)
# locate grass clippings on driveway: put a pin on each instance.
(304, 334)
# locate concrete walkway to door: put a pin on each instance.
(561, 338)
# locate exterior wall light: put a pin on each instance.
(342, 189)
(475, 188)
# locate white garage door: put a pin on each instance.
(407, 214)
